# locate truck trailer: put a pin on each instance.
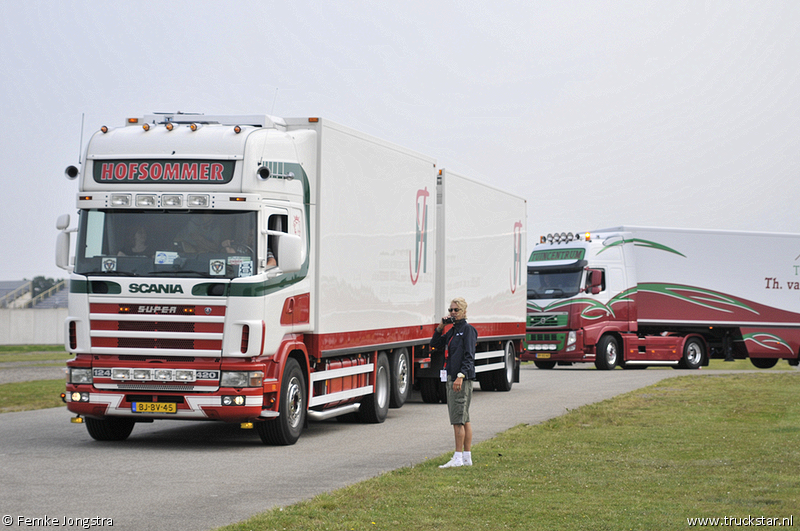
(268, 272)
(637, 296)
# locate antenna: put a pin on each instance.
(273, 101)
(80, 147)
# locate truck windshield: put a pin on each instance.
(548, 283)
(169, 243)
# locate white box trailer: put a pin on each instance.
(481, 242)
(265, 271)
(659, 296)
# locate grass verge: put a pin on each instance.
(714, 446)
(25, 396)
(16, 349)
(33, 353)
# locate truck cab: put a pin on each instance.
(577, 295)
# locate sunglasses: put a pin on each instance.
(454, 309)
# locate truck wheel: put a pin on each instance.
(374, 407)
(428, 388)
(109, 429)
(764, 363)
(286, 429)
(692, 354)
(504, 378)
(441, 391)
(544, 364)
(486, 379)
(607, 355)
(401, 378)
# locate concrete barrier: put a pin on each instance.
(32, 327)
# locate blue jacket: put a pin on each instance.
(460, 341)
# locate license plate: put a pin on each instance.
(154, 407)
(542, 356)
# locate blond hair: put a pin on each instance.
(462, 305)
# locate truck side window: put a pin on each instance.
(276, 222)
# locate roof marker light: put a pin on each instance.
(193, 127)
(237, 129)
(198, 201)
(172, 200)
(169, 126)
(146, 127)
(104, 129)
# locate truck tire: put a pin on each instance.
(427, 388)
(504, 378)
(607, 356)
(286, 429)
(432, 390)
(374, 407)
(109, 429)
(693, 353)
(764, 363)
(401, 378)
(545, 365)
(487, 381)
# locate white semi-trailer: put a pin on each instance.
(638, 296)
(264, 271)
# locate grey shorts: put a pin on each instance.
(458, 402)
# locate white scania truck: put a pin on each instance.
(266, 272)
(638, 296)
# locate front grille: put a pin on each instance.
(156, 387)
(181, 329)
(129, 342)
(171, 359)
(544, 337)
(140, 326)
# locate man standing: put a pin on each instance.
(459, 367)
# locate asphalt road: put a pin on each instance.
(201, 475)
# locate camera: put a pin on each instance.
(448, 320)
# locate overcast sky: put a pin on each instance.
(599, 113)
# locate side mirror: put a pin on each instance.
(595, 281)
(63, 242)
(62, 250)
(290, 252)
(62, 223)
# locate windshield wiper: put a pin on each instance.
(111, 273)
(180, 272)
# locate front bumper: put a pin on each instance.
(187, 407)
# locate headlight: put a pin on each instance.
(163, 375)
(233, 400)
(142, 374)
(198, 201)
(120, 374)
(171, 200)
(148, 200)
(121, 200)
(79, 397)
(572, 337)
(184, 375)
(80, 376)
(241, 379)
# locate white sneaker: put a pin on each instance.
(453, 462)
(467, 462)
